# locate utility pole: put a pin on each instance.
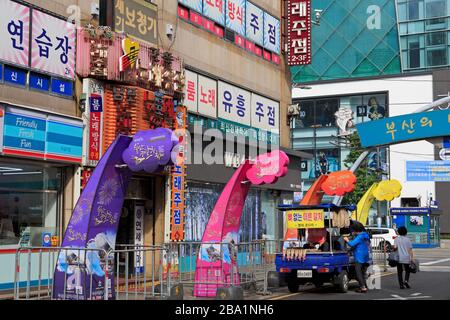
(379, 177)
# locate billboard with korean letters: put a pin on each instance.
(272, 33)
(408, 127)
(190, 91)
(235, 16)
(14, 33)
(207, 97)
(299, 32)
(306, 219)
(255, 24)
(234, 104)
(265, 113)
(215, 10)
(53, 45)
(138, 19)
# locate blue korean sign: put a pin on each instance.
(272, 33)
(1, 72)
(255, 24)
(62, 87)
(24, 133)
(193, 4)
(438, 171)
(215, 10)
(39, 82)
(235, 16)
(95, 103)
(409, 127)
(15, 76)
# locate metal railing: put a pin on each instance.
(140, 272)
(133, 272)
(38, 265)
(243, 264)
(380, 250)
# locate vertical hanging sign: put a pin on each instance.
(178, 182)
(94, 91)
(139, 237)
(299, 32)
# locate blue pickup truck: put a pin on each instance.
(335, 265)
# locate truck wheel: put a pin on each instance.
(342, 282)
(293, 286)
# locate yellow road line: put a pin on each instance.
(287, 296)
(303, 292)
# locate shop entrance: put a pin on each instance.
(137, 223)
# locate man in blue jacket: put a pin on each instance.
(361, 251)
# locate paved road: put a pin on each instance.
(432, 282)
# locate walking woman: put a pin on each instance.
(361, 247)
(405, 255)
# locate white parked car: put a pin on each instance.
(381, 237)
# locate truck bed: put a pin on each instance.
(313, 261)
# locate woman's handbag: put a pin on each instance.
(393, 258)
(414, 266)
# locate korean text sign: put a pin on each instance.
(409, 127)
(438, 171)
(255, 24)
(137, 18)
(14, 33)
(234, 104)
(178, 181)
(299, 32)
(306, 219)
(207, 97)
(53, 45)
(265, 113)
(272, 33)
(235, 16)
(215, 10)
(190, 91)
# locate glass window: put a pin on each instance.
(414, 56)
(306, 117)
(28, 203)
(435, 8)
(436, 24)
(437, 38)
(413, 10)
(437, 56)
(325, 110)
(416, 27)
(402, 11)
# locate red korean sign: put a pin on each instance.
(299, 32)
(94, 136)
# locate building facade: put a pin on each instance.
(378, 59)
(236, 82)
(41, 130)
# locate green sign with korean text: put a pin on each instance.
(236, 129)
(408, 127)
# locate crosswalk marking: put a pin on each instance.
(435, 262)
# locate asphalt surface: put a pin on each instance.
(432, 282)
